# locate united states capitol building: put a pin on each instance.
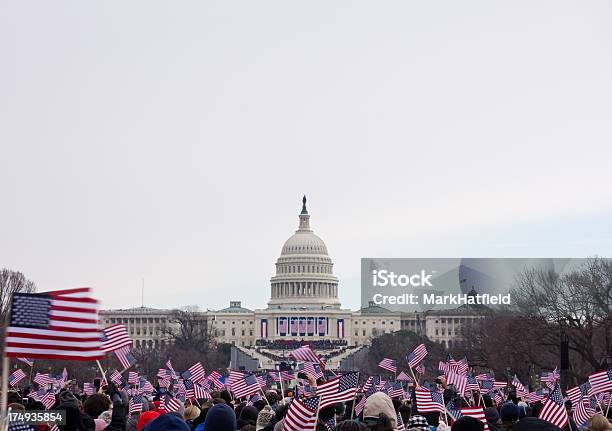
(303, 306)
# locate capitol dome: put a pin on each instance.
(304, 271)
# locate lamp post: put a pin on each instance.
(564, 356)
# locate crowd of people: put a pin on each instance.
(294, 344)
(108, 410)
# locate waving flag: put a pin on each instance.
(312, 369)
(48, 399)
(338, 389)
(553, 410)
(477, 413)
(458, 380)
(27, 361)
(428, 401)
(54, 325)
(582, 413)
(246, 386)
(115, 337)
(135, 405)
(417, 355)
(388, 364)
(17, 376)
(306, 354)
(601, 382)
(116, 377)
(195, 373)
(125, 356)
(132, 377)
(302, 414)
(520, 389)
(404, 377)
(88, 388)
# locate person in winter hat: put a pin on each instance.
(492, 417)
(534, 424)
(220, 417)
(167, 422)
(144, 418)
(467, 423)
(380, 406)
(417, 423)
(265, 416)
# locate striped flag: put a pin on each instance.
(404, 377)
(476, 413)
(553, 410)
(195, 373)
(48, 399)
(428, 401)
(459, 381)
(125, 356)
(601, 382)
(201, 393)
(116, 377)
(417, 355)
(132, 377)
(43, 379)
(302, 414)
(88, 388)
(338, 389)
(388, 364)
(55, 325)
(27, 361)
(115, 337)
(520, 389)
(312, 369)
(135, 405)
(400, 422)
(582, 413)
(246, 386)
(306, 354)
(15, 377)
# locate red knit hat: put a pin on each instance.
(145, 418)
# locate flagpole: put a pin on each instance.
(280, 378)
(416, 382)
(102, 371)
(4, 398)
(355, 396)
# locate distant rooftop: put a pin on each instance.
(235, 307)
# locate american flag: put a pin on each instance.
(458, 380)
(116, 377)
(55, 325)
(453, 409)
(498, 397)
(472, 384)
(27, 361)
(338, 389)
(115, 337)
(282, 325)
(277, 376)
(132, 377)
(428, 401)
(195, 373)
(486, 386)
(477, 413)
(400, 422)
(534, 397)
(312, 369)
(420, 369)
(582, 413)
(310, 325)
(17, 376)
(550, 377)
(169, 366)
(485, 376)
(461, 367)
(443, 367)
(246, 386)
(145, 386)
(498, 384)
(189, 389)
(371, 381)
(395, 389)
(43, 379)
(520, 389)
(404, 377)
(388, 364)
(330, 423)
(306, 354)
(135, 404)
(253, 399)
(417, 355)
(215, 378)
(574, 394)
(48, 399)
(322, 326)
(302, 414)
(88, 388)
(201, 393)
(173, 404)
(234, 377)
(553, 410)
(601, 382)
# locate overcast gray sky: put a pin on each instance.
(174, 140)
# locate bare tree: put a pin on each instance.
(12, 282)
(579, 303)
